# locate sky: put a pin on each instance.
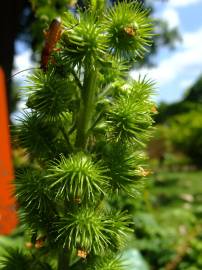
(178, 69)
(175, 70)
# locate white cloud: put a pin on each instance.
(192, 39)
(182, 3)
(171, 16)
(185, 63)
(22, 61)
(186, 83)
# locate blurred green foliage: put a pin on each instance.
(186, 134)
(194, 93)
(167, 222)
(178, 137)
(190, 102)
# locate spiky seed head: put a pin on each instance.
(79, 176)
(92, 230)
(129, 30)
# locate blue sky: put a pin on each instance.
(177, 69)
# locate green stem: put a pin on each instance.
(63, 259)
(66, 138)
(86, 107)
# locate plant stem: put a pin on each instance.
(66, 138)
(87, 107)
(63, 259)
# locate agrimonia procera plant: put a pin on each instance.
(85, 130)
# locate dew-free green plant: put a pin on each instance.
(84, 130)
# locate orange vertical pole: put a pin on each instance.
(8, 218)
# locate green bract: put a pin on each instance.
(110, 263)
(85, 42)
(130, 117)
(57, 90)
(93, 230)
(31, 187)
(128, 30)
(78, 177)
(46, 140)
(124, 164)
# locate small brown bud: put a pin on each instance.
(143, 172)
(82, 253)
(77, 200)
(154, 109)
(40, 242)
(28, 245)
(130, 31)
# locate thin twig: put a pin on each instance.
(96, 121)
(76, 79)
(66, 138)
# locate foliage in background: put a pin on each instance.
(190, 102)
(194, 93)
(186, 135)
(168, 220)
(179, 132)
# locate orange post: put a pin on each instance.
(8, 218)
